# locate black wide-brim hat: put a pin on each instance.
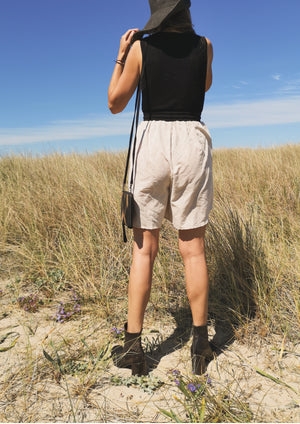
(160, 11)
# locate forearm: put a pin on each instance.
(115, 79)
(119, 66)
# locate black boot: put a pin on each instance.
(132, 355)
(201, 351)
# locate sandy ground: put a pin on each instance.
(31, 390)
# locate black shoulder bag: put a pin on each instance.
(127, 196)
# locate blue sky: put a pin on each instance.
(56, 60)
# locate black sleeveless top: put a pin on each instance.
(173, 81)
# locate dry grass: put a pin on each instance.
(60, 230)
(60, 227)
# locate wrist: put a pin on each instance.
(121, 58)
(122, 55)
(120, 62)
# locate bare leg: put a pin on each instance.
(192, 249)
(145, 248)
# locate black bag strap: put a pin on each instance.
(134, 126)
(135, 120)
(124, 233)
(133, 135)
(133, 131)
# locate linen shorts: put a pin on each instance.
(172, 174)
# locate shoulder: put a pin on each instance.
(136, 45)
(135, 49)
(209, 44)
(209, 48)
(135, 54)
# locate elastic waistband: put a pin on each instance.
(172, 116)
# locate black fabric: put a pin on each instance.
(173, 83)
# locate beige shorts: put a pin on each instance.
(172, 174)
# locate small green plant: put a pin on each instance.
(51, 280)
(54, 277)
(193, 388)
(201, 404)
(73, 363)
(148, 383)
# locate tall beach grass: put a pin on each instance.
(60, 228)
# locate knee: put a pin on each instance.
(191, 249)
(191, 243)
(148, 251)
(146, 247)
(145, 256)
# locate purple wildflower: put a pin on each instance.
(66, 310)
(208, 380)
(191, 387)
(116, 331)
(29, 303)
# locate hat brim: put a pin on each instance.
(158, 17)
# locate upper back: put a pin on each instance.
(173, 81)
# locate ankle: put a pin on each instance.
(200, 325)
(133, 328)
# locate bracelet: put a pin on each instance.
(120, 62)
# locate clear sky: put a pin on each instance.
(56, 60)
